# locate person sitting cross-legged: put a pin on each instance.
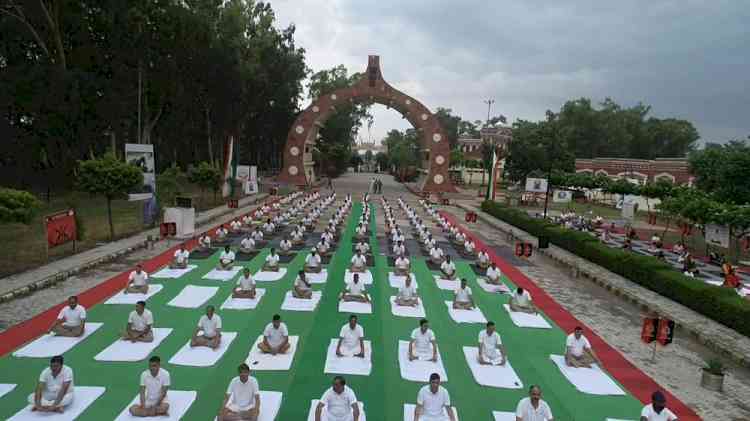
(275, 337)
(208, 331)
(221, 233)
(180, 260)
(226, 259)
(422, 344)
(204, 242)
(469, 248)
(398, 248)
(448, 268)
(298, 237)
(359, 262)
(355, 291)
(302, 288)
(153, 391)
(272, 262)
(462, 297)
(257, 235)
(533, 408)
(520, 301)
(436, 255)
(71, 321)
(493, 275)
(340, 403)
(483, 260)
(247, 245)
(402, 265)
(242, 400)
(433, 402)
(140, 322)
(407, 294)
(657, 410)
(363, 247)
(312, 262)
(578, 352)
(351, 339)
(491, 350)
(323, 247)
(245, 286)
(54, 390)
(285, 247)
(137, 281)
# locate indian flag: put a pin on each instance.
(493, 176)
(230, 168)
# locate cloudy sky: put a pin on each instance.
(686, 58)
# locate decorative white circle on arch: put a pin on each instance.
(315, 108)
(437, 137)
(424, 117)
(408, 102)
(334, 97)
(293, 170)
(440, 159)
(438, 179)
(299, 129)
(294, 151)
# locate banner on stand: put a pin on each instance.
(142, 156)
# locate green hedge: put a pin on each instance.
(717, 303)
(17, 205)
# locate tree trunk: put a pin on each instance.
(109, 218)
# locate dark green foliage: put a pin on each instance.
(17, 206)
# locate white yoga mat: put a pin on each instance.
(504, 416)
(132, 298)
(491, 375)
(279, 362)
(397, 281)
(270, 403)
(324, 413)
(446, 284)
(193, 296)
(527, 320)
(173, 273)
(244, 303)
(48, 345)
(203, 356)
(417, 370)
(355, 307)
(409, 412)
(465, 316)
(365, 277)
(617, 419)
(122, 350)
(6, 388)
(592, 380)
(406, 311)
(223, 275)
(502, 288)
(300, 304)
(269, 276)
(179, 403)
(317, 278)
(83, 397)
(348, 365)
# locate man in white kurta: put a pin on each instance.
(490, 346)
(301, 287)
(359, 262)
(257, 235)
(54, 389)
(272, 261)
(436, 255)
(355, 291)
(407, 294)
(71, 321)
(483, 259)
(180, 259)
(351, 339)
(448, 268)
(402, 265)
(433, 402)
(140, 322)
(275, 337)
(245, 286)
(242, 399)
(247, 245)
(422, 345)
(363, 247)
(520, 301)
(533, 408)
(657, 409)
(208, 331)
(137, 281)
(462, 298)
(154, 384)
(578, 352)
(226, 259)
(493, 275)
(339, 401)
(285, 246)
(204, 242)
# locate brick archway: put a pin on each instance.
(372, 87)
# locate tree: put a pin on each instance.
(450, 124)
(382, 160)
(169, 184)
(17, 206)
(206, 177)
(109, 177)
(457, 158)
(724, 171)
(368, 156)
(537, 147)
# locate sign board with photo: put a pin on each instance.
(536, 185)
(562, 196)
(142, 156)
(717, 235)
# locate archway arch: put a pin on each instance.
(302, 135)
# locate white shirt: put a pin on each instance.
(577, 345)
(221, 232)
(181, 256)
(436, 253)
(448, 268)
(205, 240)
(651, 415)
(296, 236)
(339, 405)
(268, 227)
(52, 384)
(402, 263)
(350, 337)
(433, 403)
(523, 299)
(463, 295)
(526, 411)
(138, 279)
(236, 225)
(209, 326)
(399, 249)
(483, 257)
(422, 341)
(285, 244)
(300, 284)
(312, 261)
(272, 259)
(247, 243)
(154, 384)
(355, 288)
(257, 235)
(363, 247)
(275, 336)
(140, 322)
(407, 291)
(359, 261)
(470, 247)
(243, 394)
(489, 341)
(72, 317)
(361, 230)
(246, 284)
(493, 274)
(227, 256)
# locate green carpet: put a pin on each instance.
(383, 392)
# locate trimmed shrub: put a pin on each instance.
(17, 205)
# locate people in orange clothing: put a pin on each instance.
(731, 280)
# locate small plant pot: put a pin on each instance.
(712, 381)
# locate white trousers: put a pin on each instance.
(66, 400)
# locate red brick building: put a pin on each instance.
(675, 170)
(472, 147)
